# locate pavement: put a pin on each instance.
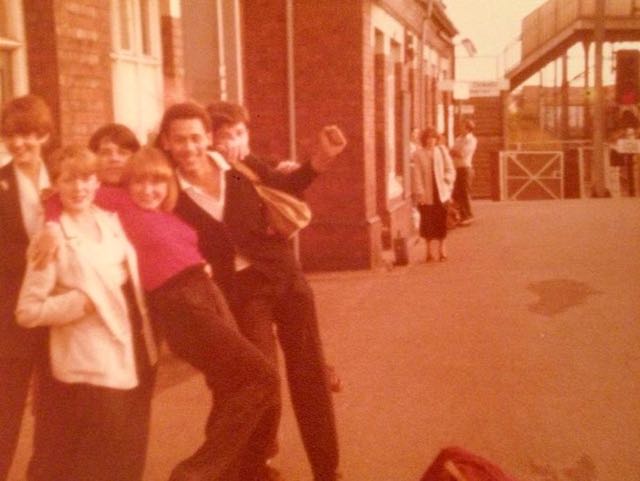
(522, 348)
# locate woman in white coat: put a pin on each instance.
(101, 345)
(432, 180)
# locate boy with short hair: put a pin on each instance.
(26, 126)
(113, 144)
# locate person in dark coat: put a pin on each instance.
(254, 264)
(26, 128)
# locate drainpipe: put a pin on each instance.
(222, 65)
(421, 83)
(291, 100)
(599, 168)
(291, 86)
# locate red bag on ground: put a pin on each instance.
(457, 464)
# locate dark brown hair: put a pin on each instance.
(226, 113)
(119, 134)
(426, 134)
(469, 125)
(26, 115)
(181, 111)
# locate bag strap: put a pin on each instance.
(247, 172)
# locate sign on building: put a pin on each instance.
(628, 146)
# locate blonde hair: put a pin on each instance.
(73, 159)
(151, 163)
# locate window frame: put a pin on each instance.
(13, 45)
(143, 33)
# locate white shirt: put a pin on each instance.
(214, 206)
(211, 205)
(465, 146)
(29, 195)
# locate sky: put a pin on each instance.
(492, 25)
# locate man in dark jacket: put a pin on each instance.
(255, 264)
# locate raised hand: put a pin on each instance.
(331, 142)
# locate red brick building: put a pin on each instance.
(370, 66)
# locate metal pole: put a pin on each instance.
(599, 170)
(586, 132)
(564, 90)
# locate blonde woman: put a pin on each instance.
(101, 345)
(433, 178)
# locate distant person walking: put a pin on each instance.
(462, 152)
(433, 178)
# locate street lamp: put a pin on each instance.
(469, 46)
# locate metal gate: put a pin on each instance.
(531, 175)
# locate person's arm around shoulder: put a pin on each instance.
(44, 246)
(40, 305)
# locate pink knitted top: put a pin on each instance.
(164, 243)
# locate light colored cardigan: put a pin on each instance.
(95, 348)
(445, 174)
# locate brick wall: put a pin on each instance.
(69, 43)
(331, 87)
(335, 82)
(41, 52)
(488, 116)
(265, 63)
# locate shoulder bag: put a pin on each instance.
(287, 214)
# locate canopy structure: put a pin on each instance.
(552, 28)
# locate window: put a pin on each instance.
(13, 60)
(145, 27)
(137, 66)
(125, 24)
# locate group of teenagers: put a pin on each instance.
(107, 250)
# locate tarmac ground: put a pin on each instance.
(522, 348)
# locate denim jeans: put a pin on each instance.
(193, 317)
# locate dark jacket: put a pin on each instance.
(245, 228)
(15, 341)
